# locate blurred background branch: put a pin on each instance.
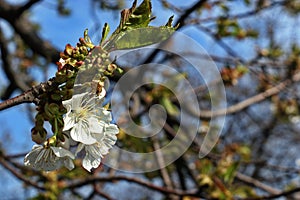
(254, 44)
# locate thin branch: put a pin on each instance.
(146, 184)
(27, 6)
(221, 43)
(171, 6)
(282, 194)
(234, 61)
(250, 101)
(239, 15)
(19, 175)
(29, 96)
(188, 12)
(14, 156)
(76, 194)
(101, 193)
(256, 183)
(27, 32)
(16, 81)
(90, 196)
(161, 162)
(26, 97)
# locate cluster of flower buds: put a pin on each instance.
(73, 107)
(50, 107)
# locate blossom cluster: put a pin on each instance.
(87, 129)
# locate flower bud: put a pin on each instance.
(38, 135)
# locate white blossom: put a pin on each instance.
(88, 123)
(49, 158)
(95, 152)
(82, 114)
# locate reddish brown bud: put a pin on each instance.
(68, 50)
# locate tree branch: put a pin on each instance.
(27, 6)
(151, 186)
(16, 81)
(221, 43)
(19, 175)
(256, 183)
(282, 194)
(27, 32)
(206, 114)
(30, 96)
(188, 12)
(101, 193)
(161, 162)
(241, 15)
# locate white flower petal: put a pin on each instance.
(61, 152)
(81, 133)
(95, 126)
(90, 162)
(77, 100)
(111, 129)
(69, 122)
(103, 115)
(67, 104)
(41, 158)
(99, 137)
(37, 147)
(31, 157)
(45, 161)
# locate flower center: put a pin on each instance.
(81, 114)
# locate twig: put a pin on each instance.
(171, 6)
(29, 96)
(13, 156)
(240, 15)
(25, 29)
(221, 43)
(16, 81)
(256, 183)
(250, 101)
(26, 97)
(160, 189)
(27, 6)
(285, 193)
(19, 175)
(161, 162)
(99, 192)
(188, 12)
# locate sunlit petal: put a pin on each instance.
(48, 159)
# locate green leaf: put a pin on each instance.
(138, 37)
(135, 17)
(134, 30)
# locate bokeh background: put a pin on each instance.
(254, 44)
